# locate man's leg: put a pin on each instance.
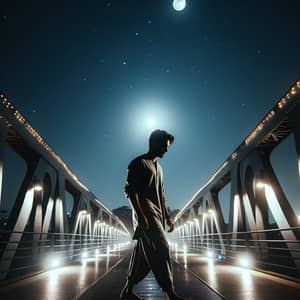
(137, 271)
(157, 254)
(138, 267)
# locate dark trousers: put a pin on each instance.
(151, 253)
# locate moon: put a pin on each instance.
(179, 5)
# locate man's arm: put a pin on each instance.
(167, 213)
(133, 185)
(142, 219)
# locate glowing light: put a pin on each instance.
(83, 212)
(97, 252)
(220, 257)
(245, 261)
(53, 262)
(84, 254)
(299, 218)
(151, 123)
(210, 211)
(38, 187)
(210, 254)
(179, 5)
(260, 185)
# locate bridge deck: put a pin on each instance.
(93, 281)
(236, 283)
(109, 287)
(63, 283)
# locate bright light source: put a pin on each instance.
(299, 218)
(96, 251)
(196, 220)
(210, 211)
(84, 254)
(184, 248)
(220, 257)
(151, 123)
(179, 4)
(83, 212)
(210, 254)
(38, 187)
(245, 261)
(260, 185)
(53, 262)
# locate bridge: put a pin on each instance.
(59, 241)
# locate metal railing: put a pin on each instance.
(264, 249)
(42, 251)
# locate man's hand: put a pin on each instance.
(171, 225)
(143, 222)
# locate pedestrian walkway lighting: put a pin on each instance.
(38, 187)
(84, 254)
(260, 185)
(53, 261)
(210, 254)
(245, 261)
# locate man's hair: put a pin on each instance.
(158, 137)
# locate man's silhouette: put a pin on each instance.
(145, 191)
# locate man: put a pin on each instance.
(145, 190)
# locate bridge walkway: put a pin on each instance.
(195, 278)
(187, 285)
(237, 283)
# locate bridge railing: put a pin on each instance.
(43, 202)
(38, 251)
(261, 219)
(247, 250)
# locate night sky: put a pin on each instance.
(95, 77)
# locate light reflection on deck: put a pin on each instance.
(61, 283)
